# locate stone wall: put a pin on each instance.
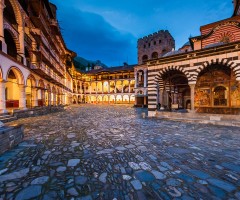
(37, 111)
(10, 136)
(159, 43)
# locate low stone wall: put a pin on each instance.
(37, 111)
(205, 118)
(10, 136)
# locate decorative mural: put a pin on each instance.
(212, 89)
(235, 95)
(202, 97)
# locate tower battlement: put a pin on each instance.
(154, 34)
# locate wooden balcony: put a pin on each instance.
(44, 71)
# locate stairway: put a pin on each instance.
(6, 117)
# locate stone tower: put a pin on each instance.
(154, 46)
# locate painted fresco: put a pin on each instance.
(212, 89)
(202, 97)
(235, 95)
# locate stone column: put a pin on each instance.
(161, 99)
(102, 87)
(115, 89)
(21, 40)
(34, 57)
(80, 87)
(129, 82)
(136, 80)
(90, 88)
(4, 46)
(49, 98)
(76, 89)
(192, 87)
(54, 99)
(144, 100)
(22, 96)
(63, 99)
(2, 97)
(108, 88)
(145, 78)
(96, 88)
(43, 97)
(122, 86)
(34, 97)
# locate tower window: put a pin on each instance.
(154, 42)
(160, 41)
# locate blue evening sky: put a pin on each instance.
(108, 30)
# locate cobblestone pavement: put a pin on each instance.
(111, 152)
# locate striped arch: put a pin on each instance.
(18, 73)
(158, 79)
(48, 88)
(225, 61)
(33, 80)
(18, 12)
(41, 84)
(14, 35)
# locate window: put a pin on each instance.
(220, 96)
(160, 41)
(144, 46)
(154, 42)
(149, 44)
(154, 55)
(144, 58)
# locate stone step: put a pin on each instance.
(5, 115)
(7, 118)
(197, 120)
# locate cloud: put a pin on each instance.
(92, 37)
(108, 30)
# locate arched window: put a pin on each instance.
(27, 56)
(154, 55)
(11, 47)
(144, 58)
(140, 92)
(8, 13)
(220, 96)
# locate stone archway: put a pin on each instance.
(54, 95)
(31, 92)
(48, 95)
(172, 89)
(10, 41)
(41, 93)
(217, 90)
(15, 89)
(105, 99)
(112, 99)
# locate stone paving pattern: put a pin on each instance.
(111, 152)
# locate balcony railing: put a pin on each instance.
(44, 52)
